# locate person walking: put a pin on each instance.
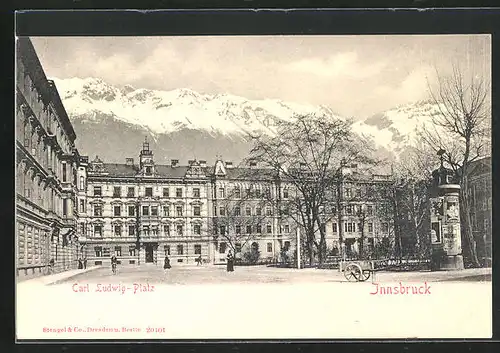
(85, 262)
(166, 263)
(114, 262)
(230, 261)
(198, 261)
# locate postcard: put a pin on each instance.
(253, 187)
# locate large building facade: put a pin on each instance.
(142, 211)
(46, 168)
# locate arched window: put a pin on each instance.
(255, 246)
(27, 134)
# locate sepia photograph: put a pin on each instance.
(253, 187)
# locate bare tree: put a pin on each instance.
(461, 129)
(308, 153)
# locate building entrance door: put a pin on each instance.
(149, 253)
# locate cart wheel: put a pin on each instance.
(353, 272)
(364, 276)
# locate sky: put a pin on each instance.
(356, 76)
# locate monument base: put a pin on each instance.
(451, 263)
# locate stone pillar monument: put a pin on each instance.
(446, 243)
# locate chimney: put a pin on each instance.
(174, 162)
(229, 164)
(190, 162)
(203, 163)
(129, 161)
(253, 163)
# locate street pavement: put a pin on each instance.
(194, 275)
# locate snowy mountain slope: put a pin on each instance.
(168, 111)
(174, 119)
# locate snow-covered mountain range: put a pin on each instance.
(112, 121)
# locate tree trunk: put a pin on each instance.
(468, 242)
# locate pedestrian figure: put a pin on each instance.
(85, 262)
(198, 260)
(166, 263)
(80, 263)
(114, 262)
(230, 262)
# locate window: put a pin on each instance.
(166, 249)
(358, 192)
(117, 211)
(98, 251)
(178, 192)
(65, 172)
(249, 229)
(178, 211)
(180, 249)
(248, 192)
(237, 192)
(237, 211)
(97, 210)
(334, 227)
(360, 227)
(285, 193)
(118, 230)
(196, 192)
(196, 211)
(117, 191)
(237, 247)
(285, 211)
(97, 191)
(155, 230)
(145, 230)
(180, 229)
(248, 211)
(222, 211)
(131, 211)
(259, 228)
(349, 209)
(269, 211)
(222, 230)
(82, 183)
(238, 229)
(166, 229)
(348, 192)
(154, 210)
(385, 227)
(257, 192)
(258, 211)
(197, 249)
(130, 192)
(131, 230)
(286, 228)
(269, 229)
(370, 227)
(131, 250)
(98, 230)
(349, 227)
(286, 245)
(222, 248)
(269, 247)
(166, 211)
(82, 228)
(118, 250)
(149, 192)
(82, 206)
(197, 229)
(145, 210)
(166, 192)
(222, 193)
(148, 170)
(369, 210)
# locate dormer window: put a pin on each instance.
(148, 171)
